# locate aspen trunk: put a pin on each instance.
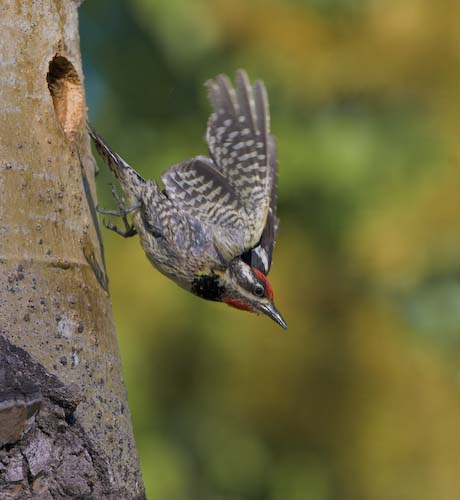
(65, 429)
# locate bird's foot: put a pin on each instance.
(122, 212)
(129, 231)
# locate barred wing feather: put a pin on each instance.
(243, 149)
(261, 255)
(234, 192)
(199, 189)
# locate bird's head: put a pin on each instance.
(248, 289)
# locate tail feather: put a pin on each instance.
(129, 179)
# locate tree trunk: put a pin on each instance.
(65, 429)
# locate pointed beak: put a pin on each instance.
(271, 311)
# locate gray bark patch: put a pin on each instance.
(45, 453)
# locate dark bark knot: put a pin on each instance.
(44, 452)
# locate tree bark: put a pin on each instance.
(65, 429)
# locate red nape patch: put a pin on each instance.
(268, 286)
(237, 304)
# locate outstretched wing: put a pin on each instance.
(198, 188)
(261, 255)
(234, 192)
(244, 150)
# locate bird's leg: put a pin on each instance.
(129, 231)
(123, 212)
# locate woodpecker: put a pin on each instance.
(212, 228)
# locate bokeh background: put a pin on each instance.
(360, 398)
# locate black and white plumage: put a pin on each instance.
(213, 227)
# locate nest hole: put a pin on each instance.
(66, 90)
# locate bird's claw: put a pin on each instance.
(123, 212)
(130, 230)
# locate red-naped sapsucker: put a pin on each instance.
(212, 228)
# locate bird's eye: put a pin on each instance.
(259, 290)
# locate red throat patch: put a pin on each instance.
(268, 286)
(237, 304)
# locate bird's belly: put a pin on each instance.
(165, 261)
(183, 259)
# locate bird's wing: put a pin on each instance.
(260, 256)
(234, 193)
(200, 190)
(239, 139)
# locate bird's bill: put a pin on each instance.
(271, 311)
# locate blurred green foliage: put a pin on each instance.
(359, 400)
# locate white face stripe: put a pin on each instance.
(247, 273)
(262, 254)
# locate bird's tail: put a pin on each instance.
(130, 181)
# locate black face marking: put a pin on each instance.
(246, 257)
(208, 287)
(246, 278)
(259, 290)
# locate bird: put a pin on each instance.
(212, 227)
